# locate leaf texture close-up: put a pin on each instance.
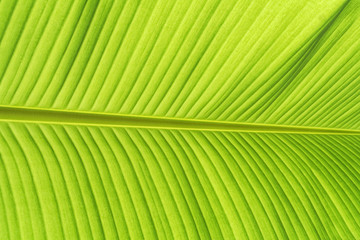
(180, 119)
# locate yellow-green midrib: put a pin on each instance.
(82, 118)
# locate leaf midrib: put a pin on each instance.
(85, 118)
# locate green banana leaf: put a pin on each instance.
(180, 119)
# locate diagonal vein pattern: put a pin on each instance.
(165, 119)
(83, 182)
(271, 62)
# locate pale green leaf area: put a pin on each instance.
(93, 182)
(180, 119)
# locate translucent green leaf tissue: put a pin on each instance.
(180, 119)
